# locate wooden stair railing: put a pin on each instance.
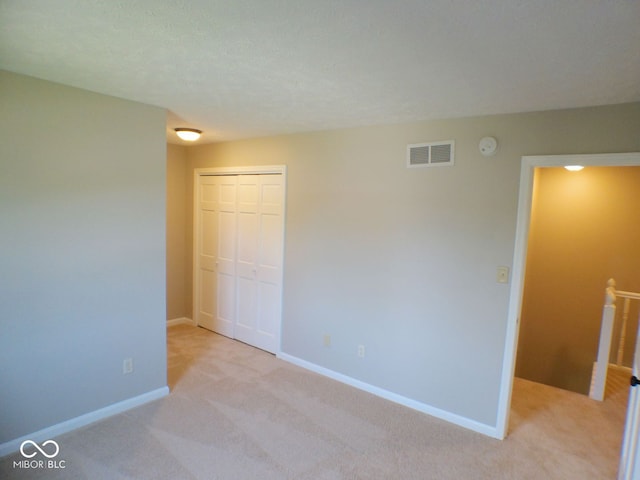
(601, 366)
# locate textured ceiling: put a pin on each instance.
(244, 68)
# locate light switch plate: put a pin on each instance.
(502, 275)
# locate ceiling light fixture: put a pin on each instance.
(574, 168)
(188, 134)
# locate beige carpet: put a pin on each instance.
(236, 412)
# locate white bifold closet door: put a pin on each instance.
(240, 232)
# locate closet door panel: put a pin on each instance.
(248, 228)
(204, 305)
(269, 261)
(226, 243)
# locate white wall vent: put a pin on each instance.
(433, 154)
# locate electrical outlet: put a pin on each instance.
(127, 366)
(326, 340)
(361, 351)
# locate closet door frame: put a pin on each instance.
(247, 170)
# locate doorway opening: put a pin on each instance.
(529, 164)
(583, 232)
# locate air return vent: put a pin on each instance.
(434, 154)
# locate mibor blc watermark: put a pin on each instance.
(44, 456)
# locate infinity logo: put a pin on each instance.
(37, 447)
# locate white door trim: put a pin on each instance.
(529, 163)
(247, 170)
(240, 170)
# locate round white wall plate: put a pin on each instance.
(488, 146)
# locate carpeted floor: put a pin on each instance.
(236, 412)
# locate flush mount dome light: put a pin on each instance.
(574, 168)
(188, 134)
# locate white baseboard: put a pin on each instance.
(48, 433)
(482, 428)
(180, 321)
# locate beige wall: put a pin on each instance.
(403, 260)
(178, 301)
(82, 253)
(584, 230)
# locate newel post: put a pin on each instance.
(599, 377)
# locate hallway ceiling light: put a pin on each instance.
(574, 168)
(188, 134)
